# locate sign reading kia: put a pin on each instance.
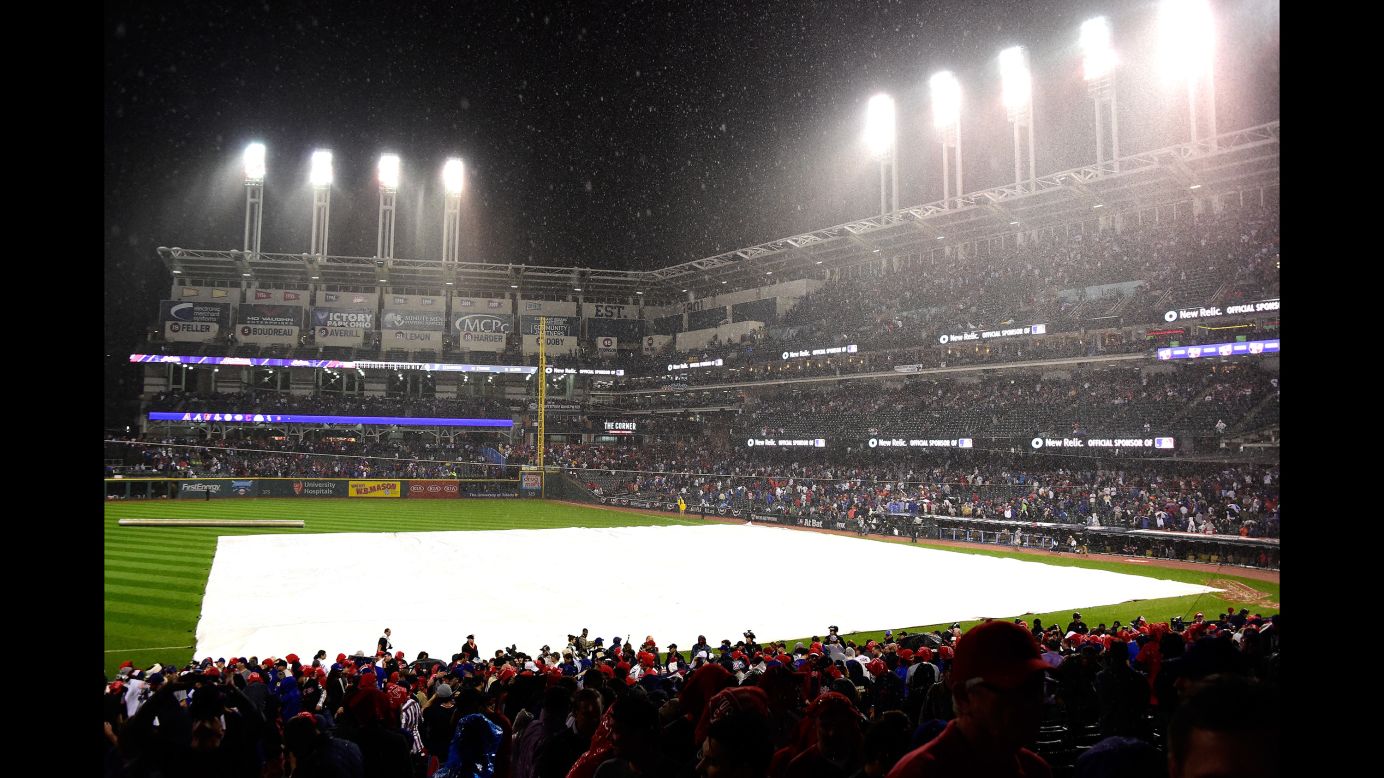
(197, 332)
(433, 490)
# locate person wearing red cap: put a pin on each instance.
(997, 684)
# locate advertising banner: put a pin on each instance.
(531, 482)
(462, 305)
(557, 345)
(1239, 348)
(205, 293)
(373, 489)
(547, 308)
(195, 313)
(1007, 332)
(419, 321)
(415, 302)
(410, 339)
(558, 326)
(342, 326)
(481, 331)
(433, 490)
(306, 487)
(785, 442)
(920, 443)
(607, 311)
(269, 315)
(297, 298)
(607, 345)
(350, 298)
(219, 487)
(1212, 312)
(194, 331)
(1154, 443)
(267, 336)
(623, 329)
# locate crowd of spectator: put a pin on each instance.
(1097, 699)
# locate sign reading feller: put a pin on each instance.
(1160, 443)
(194, 322)
(373, 489)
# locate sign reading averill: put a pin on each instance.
(342, 326)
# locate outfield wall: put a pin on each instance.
(361, 488)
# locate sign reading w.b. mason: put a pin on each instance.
(481, 331)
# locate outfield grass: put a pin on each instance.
(155, 576)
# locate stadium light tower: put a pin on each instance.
(389, 187)
(453, 179)
(1098, 68)
(880, 138)
(321, 180)
(254, 197)
(946, 118)
(1018, 100)
(1187, 40)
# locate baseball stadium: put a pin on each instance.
(819, 505)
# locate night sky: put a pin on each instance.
(626, 137)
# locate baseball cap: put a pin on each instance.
(999, 652)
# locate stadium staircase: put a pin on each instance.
(492, 456)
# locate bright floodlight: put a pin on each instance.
(1185, 38)
(254, 162)
(321, 168)
(452, 177)
(1017, 85)
(879, 125)
(1098, 56)
(946, 100)
(389, 171)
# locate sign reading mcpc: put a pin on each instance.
(821, 352)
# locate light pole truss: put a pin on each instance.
(1231, 161)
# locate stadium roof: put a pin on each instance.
(1229, 162)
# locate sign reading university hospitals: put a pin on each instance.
(268, 324)
(476, 330)
(342, 326)
(189, 321)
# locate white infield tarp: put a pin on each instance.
(280, 594)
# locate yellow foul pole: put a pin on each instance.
(542, 398)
